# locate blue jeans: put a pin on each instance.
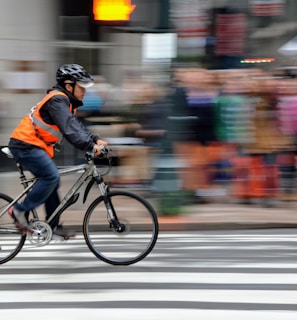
(46, 189)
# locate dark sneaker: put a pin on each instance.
(61, 232)
(19, 217)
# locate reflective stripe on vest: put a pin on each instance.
(46, 127)
(37, 122)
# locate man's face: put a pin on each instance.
(79, 92)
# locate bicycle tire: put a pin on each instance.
(132, 245)
(11, 238)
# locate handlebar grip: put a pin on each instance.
(90, 155)
(104, 150)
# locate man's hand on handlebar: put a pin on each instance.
(99, 146)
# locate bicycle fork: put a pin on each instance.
(114, 222)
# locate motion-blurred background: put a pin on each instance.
(197, 96)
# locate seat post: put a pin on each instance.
(22, 174)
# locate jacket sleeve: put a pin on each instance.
(59, 113)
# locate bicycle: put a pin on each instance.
(119, 226)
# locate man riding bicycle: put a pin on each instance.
(33, 141)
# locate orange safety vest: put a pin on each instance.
(33, 130)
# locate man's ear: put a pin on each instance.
(69, 87)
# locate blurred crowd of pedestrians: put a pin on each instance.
(230, 132)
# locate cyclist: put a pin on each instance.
(33, 141)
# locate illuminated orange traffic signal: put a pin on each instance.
(112, 10)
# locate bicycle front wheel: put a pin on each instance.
(136, 237)
(11, 238)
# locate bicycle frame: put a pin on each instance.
(90, 170)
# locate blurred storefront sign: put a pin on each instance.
(267, 7)
(191, 21)
(158, 46)
(230, 34)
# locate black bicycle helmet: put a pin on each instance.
(74, 73)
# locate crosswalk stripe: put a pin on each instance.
(218, 296)
(156, 277)
(149, 314)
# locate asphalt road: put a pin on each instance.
(236, 274)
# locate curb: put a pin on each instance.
(222, 226)
(184, 224)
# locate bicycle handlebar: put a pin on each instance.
(105, 152)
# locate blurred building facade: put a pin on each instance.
(37, 36)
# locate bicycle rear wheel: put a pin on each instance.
(139, 230)
(11, 238)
